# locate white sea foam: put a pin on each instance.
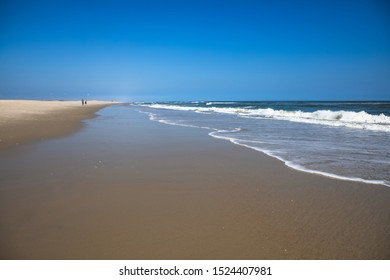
(250, 144)
(350, 119)
(153, 117)
(289, 163)
(220, 103)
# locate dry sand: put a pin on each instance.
(23, 121)
(129, 188)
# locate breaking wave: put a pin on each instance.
(350, 119)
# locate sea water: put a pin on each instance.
(346, 140)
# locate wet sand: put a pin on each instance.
(129, 188)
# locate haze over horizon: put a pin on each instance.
(195, 50)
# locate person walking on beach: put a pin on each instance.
(82, 102)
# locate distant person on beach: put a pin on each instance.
(82, 102)
(85, 102)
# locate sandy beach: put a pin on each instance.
(24, 121)
(125, 187)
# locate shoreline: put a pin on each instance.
(130, 188)
(280, 130)
(27, 121)
(305, 170)
(286, 163)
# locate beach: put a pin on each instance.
(120, 186)
(25, 121)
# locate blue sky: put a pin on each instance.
(195, 50)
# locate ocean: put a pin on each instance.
(345, 140)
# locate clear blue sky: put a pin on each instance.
(195, 50)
